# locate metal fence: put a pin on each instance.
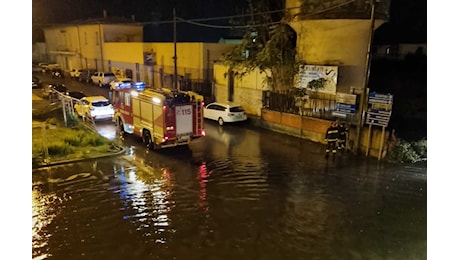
(309, 105)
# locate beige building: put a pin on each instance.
(119, 48)
(81, 45)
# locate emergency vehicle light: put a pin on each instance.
(139, 85)
(124, 85)
(156, 100)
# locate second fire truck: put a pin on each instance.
(161, 117)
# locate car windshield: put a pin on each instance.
(101, 103)
(236, 109)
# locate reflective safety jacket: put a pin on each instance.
(343, 130)
(332, 134)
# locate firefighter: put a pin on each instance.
(332, 135)
(342, 140)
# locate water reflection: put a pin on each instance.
(202, 178)
(245, 195)
(45, 207)
(146, 197)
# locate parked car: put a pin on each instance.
(57, 73)
(36, 82)
(121, 82)
(48, 66)
(75, 73)
(224, 112)
(102, 78)
(53, 90)
(98, 107)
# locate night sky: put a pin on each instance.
(408, 18)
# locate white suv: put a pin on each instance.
(102, 78)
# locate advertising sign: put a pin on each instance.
(308, 73)
(149, 58)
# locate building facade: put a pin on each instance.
(119, 48)
(81, 45)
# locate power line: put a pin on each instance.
(197, 20)
(326, 9)
(226, 26)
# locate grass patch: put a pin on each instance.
(67, 143)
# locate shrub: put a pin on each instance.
(406, 152)
(59, 147)
(420, 147)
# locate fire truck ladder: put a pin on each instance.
(199, 121)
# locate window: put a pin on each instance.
(236, 109)
(127, 99)
(102, 103)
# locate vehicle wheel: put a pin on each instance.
(221, 121)
(147, 139)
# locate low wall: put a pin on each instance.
(314, 129)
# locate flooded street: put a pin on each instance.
(238, 193)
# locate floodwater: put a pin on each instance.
(238, 193)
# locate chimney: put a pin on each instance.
(104, 12)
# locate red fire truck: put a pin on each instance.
(161, 117)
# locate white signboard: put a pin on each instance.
(307, 73)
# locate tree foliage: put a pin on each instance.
(317, 84)
(268, 46)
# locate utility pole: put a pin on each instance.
(367, 71)
(175, 51)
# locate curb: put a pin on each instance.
(122, 150)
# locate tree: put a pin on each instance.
(269, 46)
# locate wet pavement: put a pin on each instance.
(238, 193)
